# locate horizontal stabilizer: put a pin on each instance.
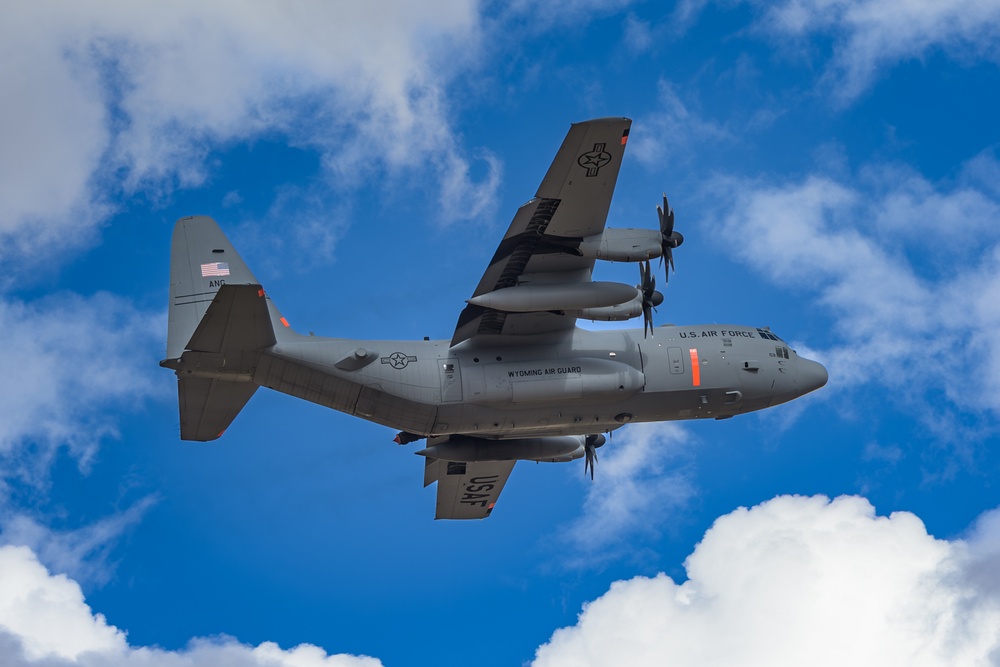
(466, 490)
(236, 322)
(208, 406)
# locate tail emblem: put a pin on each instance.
(214, 269)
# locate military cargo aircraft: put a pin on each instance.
(518, 380)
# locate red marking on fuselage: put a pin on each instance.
(695, 368)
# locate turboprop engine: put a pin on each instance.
(644, 302)
(622, 245)
(636, 245)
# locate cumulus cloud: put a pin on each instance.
(105, 99)
(45, 621)
(673, 133)
(640, 477)
(74, 363)
(73, 358)
(893, 258)
(797, 581)
(81, 552)
(871, 35)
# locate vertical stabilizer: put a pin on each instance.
(219, 321)
(201, 261)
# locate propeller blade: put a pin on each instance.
(669, 239)
(589, 461)
(666, 217)
(648, 287)
(590, 445)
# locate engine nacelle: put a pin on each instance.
(623, 245)
(618, 313)
(563, 296)
(468, 449)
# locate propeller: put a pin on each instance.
(590, 445)
(669, 239)
(650, 297)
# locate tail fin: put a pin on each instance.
(201, 261)
(219, 320)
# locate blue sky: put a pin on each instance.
(833, 166)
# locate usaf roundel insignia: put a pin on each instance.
(593, 160)
(398, 360)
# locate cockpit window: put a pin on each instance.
(781, 352)
(766, 333)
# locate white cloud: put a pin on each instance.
(672, 133)
(44, 620)
(79, 552)
(71, 358)
(639, 478)
(908, 269)
(638, 34)
(73, 364)
(798, 581)
(105, 98)
(47, 613)
(871, 35)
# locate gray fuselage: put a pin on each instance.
(577, 382)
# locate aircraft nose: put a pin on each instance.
(812, 375)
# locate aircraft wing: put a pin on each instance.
(541, 247)
(466, 490)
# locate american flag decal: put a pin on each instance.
(215, 269)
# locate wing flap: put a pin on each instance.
(466, 490)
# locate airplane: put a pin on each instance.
(519, 380)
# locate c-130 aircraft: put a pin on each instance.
(518, 380)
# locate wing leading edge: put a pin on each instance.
(541, 245)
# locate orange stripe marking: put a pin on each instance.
(284, 321)
(695, 368)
